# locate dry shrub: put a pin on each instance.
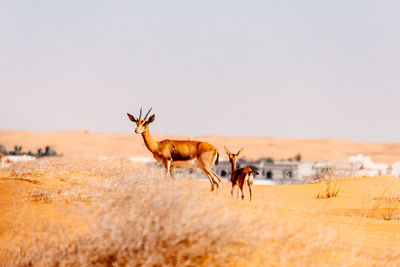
(325, 171)
(133, 217)
(386, 207)
(141, 221)
(24, 169)
(329, 189)
(41, 196)
(328, 176)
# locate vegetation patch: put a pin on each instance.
(41, 196)
(328, 177)
(48, 151)
(386, 207)
(126, 216)
(330, 189)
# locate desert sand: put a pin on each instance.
(89, 144)
(43, 203)
(358, 227)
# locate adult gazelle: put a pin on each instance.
(179, 153)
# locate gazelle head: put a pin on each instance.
(141, 124)
(232, 157)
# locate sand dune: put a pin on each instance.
(88, 144)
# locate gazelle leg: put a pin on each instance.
(211, 181)
(217, 180)
(209, 178)
(171, 172)
(167, 165)
(251, 194)
(216, 184)
(205, 165)
(233, 185)
(241, 182)
(216, 176)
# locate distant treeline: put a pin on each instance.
(48, 151)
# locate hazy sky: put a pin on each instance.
(290, 69)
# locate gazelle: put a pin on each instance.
(180, 153)
(240, 176)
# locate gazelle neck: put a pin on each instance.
(233, 165)
(149, 141)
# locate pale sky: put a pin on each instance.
(288, 69)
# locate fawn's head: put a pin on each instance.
(232, 157)
(142, 124)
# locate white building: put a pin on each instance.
(277, 171)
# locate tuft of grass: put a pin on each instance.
(328, 177)
(386, 207)
(330, 189)
(40, 196)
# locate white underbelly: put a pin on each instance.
(193, 163)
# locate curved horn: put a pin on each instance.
(145, 117)
(140, 115)
(227, 150)
(240, 150)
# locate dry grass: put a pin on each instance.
(386, 207)
(123, 215)
(130, 218)
(329, 189)
(328, 177)
(326, 170)
(40, 196)
(144, 226)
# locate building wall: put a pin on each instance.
(280, 172)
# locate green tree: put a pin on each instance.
(297, 157)
(50, 152)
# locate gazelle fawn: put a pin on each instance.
(179, 153)
(240, 176)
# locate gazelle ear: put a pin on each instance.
(237, 154)
(132, 118)
(152, 118)
(227, 151)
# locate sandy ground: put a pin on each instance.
(359, 226)
(364, 216)
(87, 144)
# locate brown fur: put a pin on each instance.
(179, 153)
(240, 176)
